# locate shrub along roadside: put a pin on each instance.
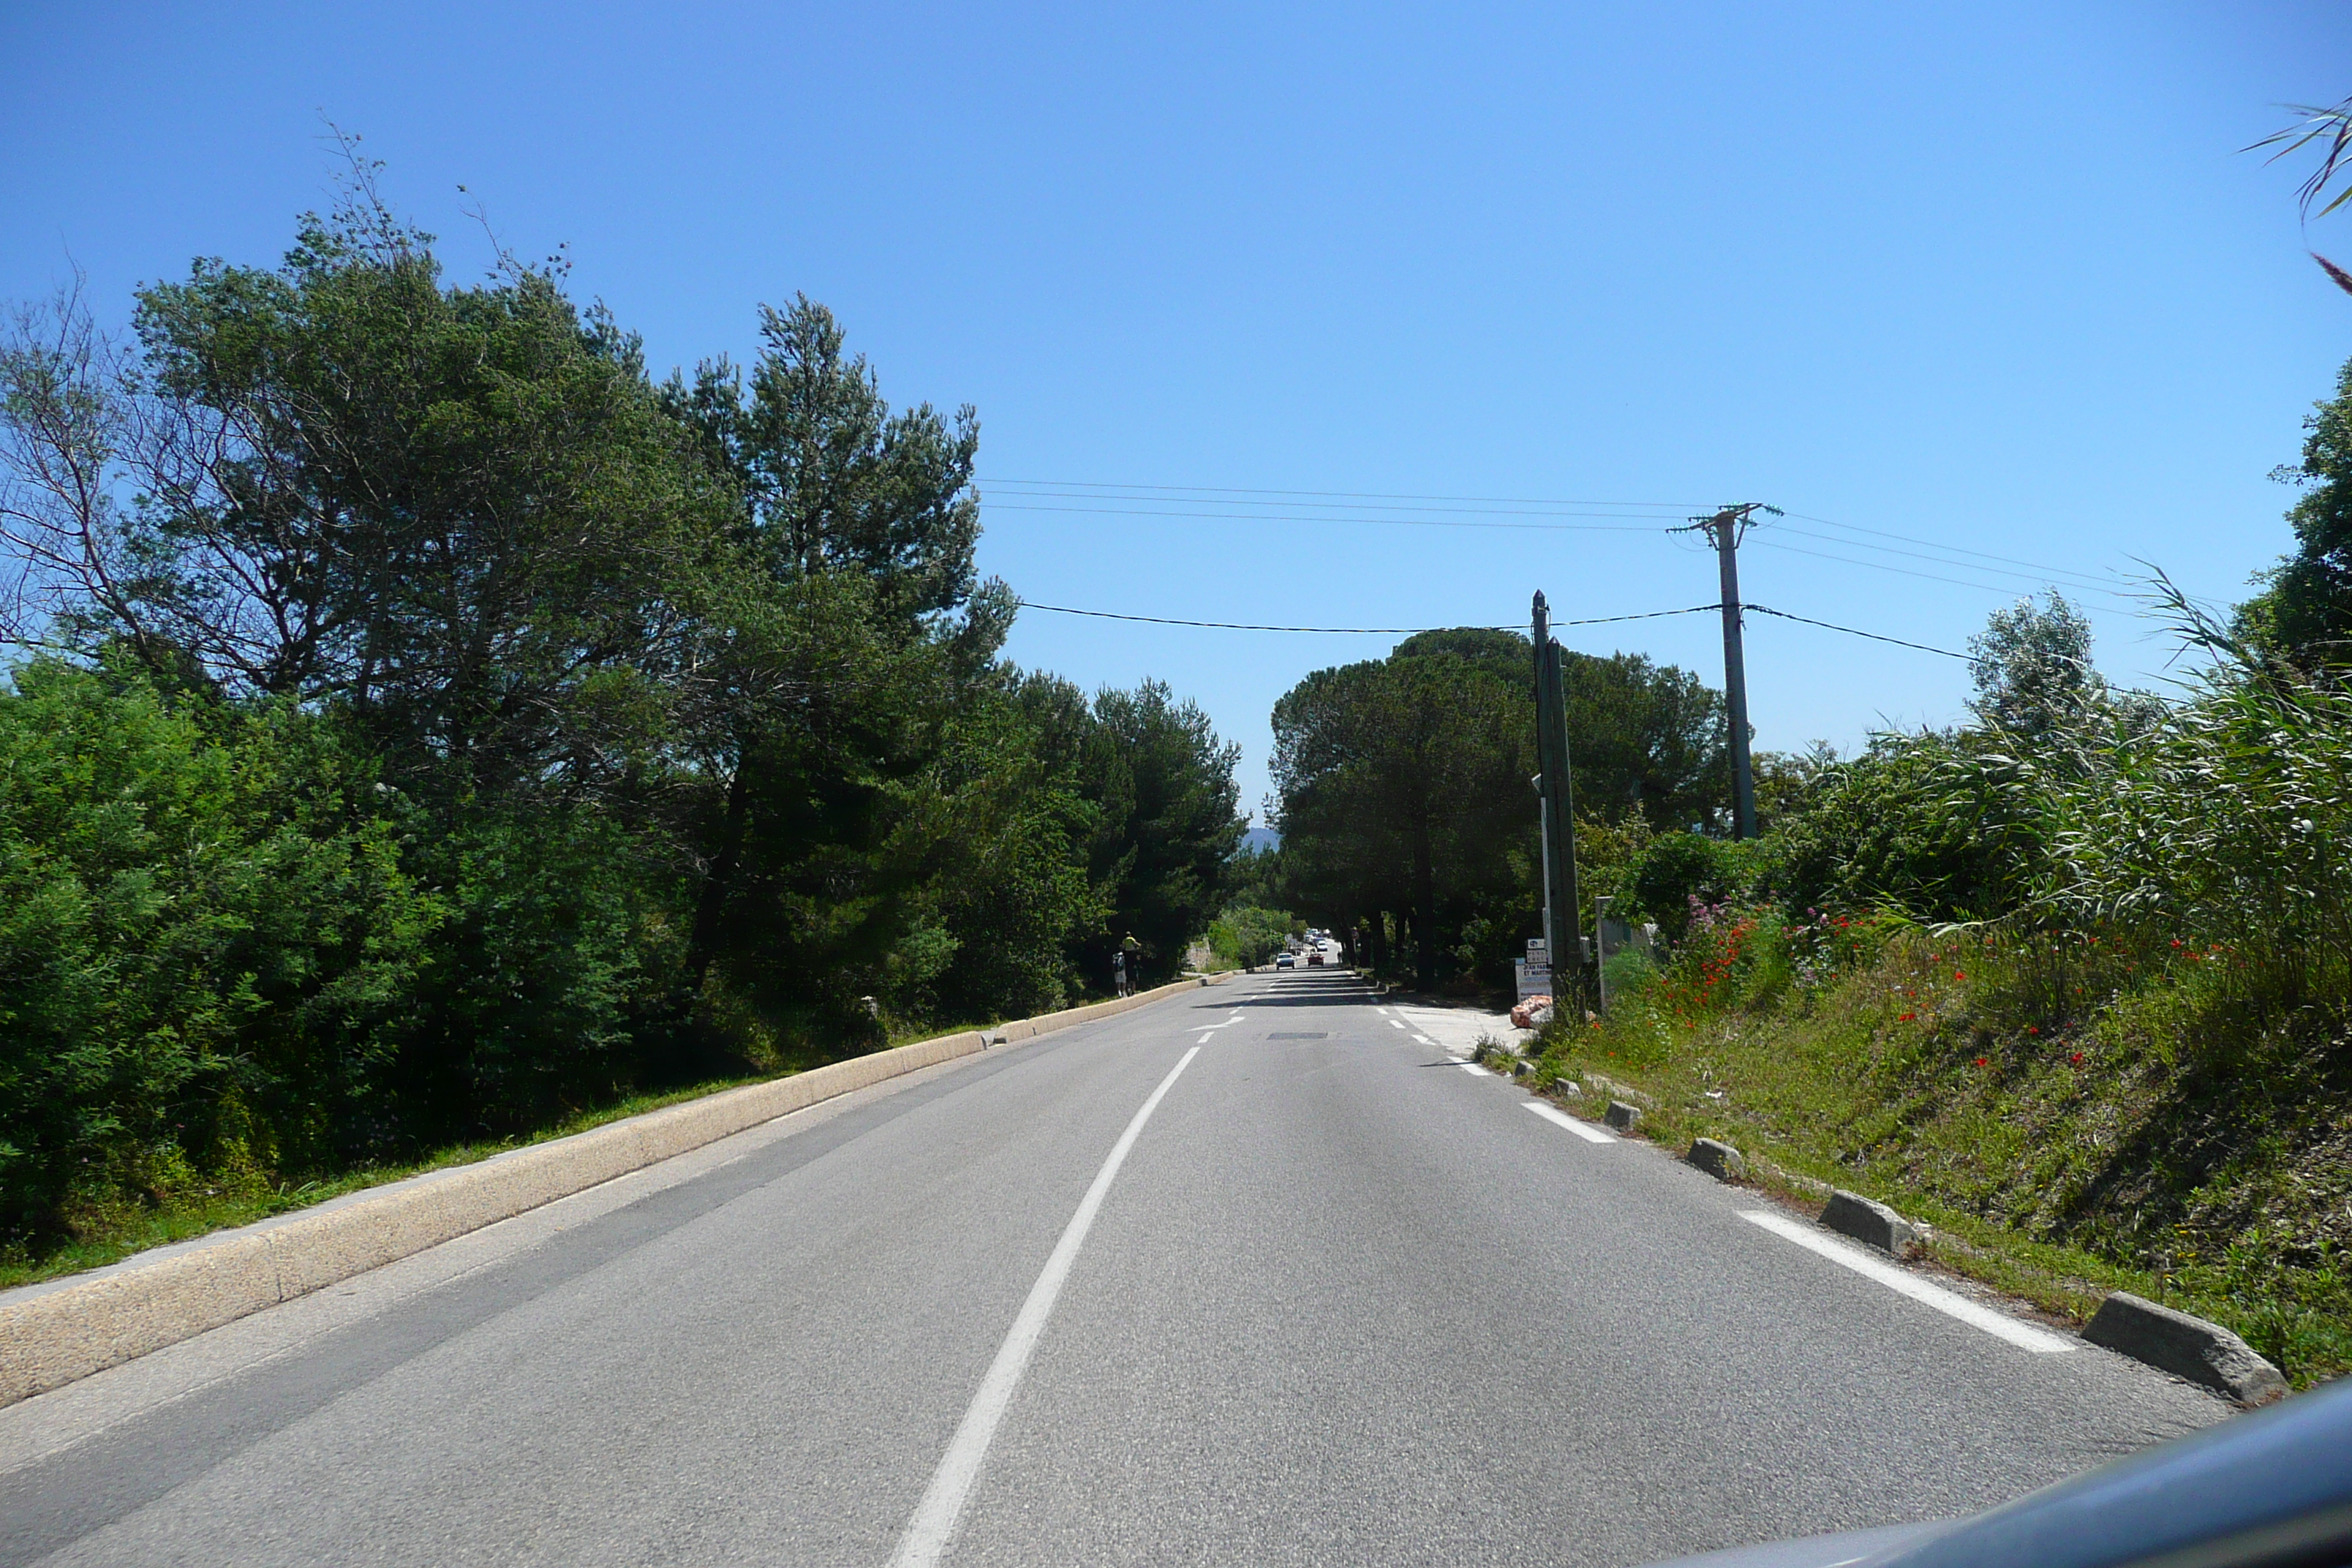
(2110, 1150)
(197, 1211)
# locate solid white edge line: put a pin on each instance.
(1578, 1125)
(1474, 1066)
(2000, 1325)
(935, 1516)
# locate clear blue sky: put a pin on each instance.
(1989, 276)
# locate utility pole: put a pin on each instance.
(1563, 929)
(1724, 529)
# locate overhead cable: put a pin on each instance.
(1416, 631)
(1857, 632)
(1354, 631)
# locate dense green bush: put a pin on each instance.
(209, 949)
(439, 729)
(1248, 935)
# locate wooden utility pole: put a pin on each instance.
(1724, 529)
(1563, 929)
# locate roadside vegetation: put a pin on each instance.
(2072, 981)
(430, 728)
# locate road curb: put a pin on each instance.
(1717, 1159)
(2187, 1347)
(1866, 1220)
(52, 1335)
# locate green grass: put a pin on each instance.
(2155, 1141)
(110, 1234)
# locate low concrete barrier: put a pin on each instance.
(1717, 1159)
(2186, 1347)
(50, 1335)
(1866, 1220)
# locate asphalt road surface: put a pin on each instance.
(1334, 1299)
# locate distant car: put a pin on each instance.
(1284, 960)
(1315, 959)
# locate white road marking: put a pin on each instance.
(1396, 1022)
(935, 1516)
(1425, 1040)
(1474, 1066)
(2000, 1325)
(1576, 1124)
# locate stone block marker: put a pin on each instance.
(1720, 1161)
(1622, 1117)
(2187, 1347)
(1851, 1213)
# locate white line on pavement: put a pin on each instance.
(1582, 1129)
(1396, 1022)
(935, 1516)
(1474, 1066)
(2000, 1325)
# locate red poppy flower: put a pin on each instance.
(1981, 1061)
(2077, 1059)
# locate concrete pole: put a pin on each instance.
(1725, 526)
(1563, 927)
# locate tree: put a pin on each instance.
(2033, 668)
(2304, 614)
(1403, 780)
(1168, 819)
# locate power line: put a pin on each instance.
(1352, 501)
(1416, 631)
(1395, 522)
(2081, 580)
(1354, 631)
(1766, 541)
(1342, 495)
(1857, 632)
(1954, 549)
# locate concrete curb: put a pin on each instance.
(52, 1335)
(1853, 1215)
(2187, 1347)
(1717, 1159)
(1622, 1116)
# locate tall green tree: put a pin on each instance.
(1405, 778)
(1168, 820)
(2304, 614)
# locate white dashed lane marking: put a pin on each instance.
(1582, 1129)
(2000, 1325)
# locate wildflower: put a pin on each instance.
(2077, 1059)
(1959, 975)
(2033, 1028)
(1906, 1017)
(1981, 1061)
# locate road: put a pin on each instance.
(1335, 1299)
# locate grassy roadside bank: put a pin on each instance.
(105, 1232)
(109, 1233)
(2057, 1162)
